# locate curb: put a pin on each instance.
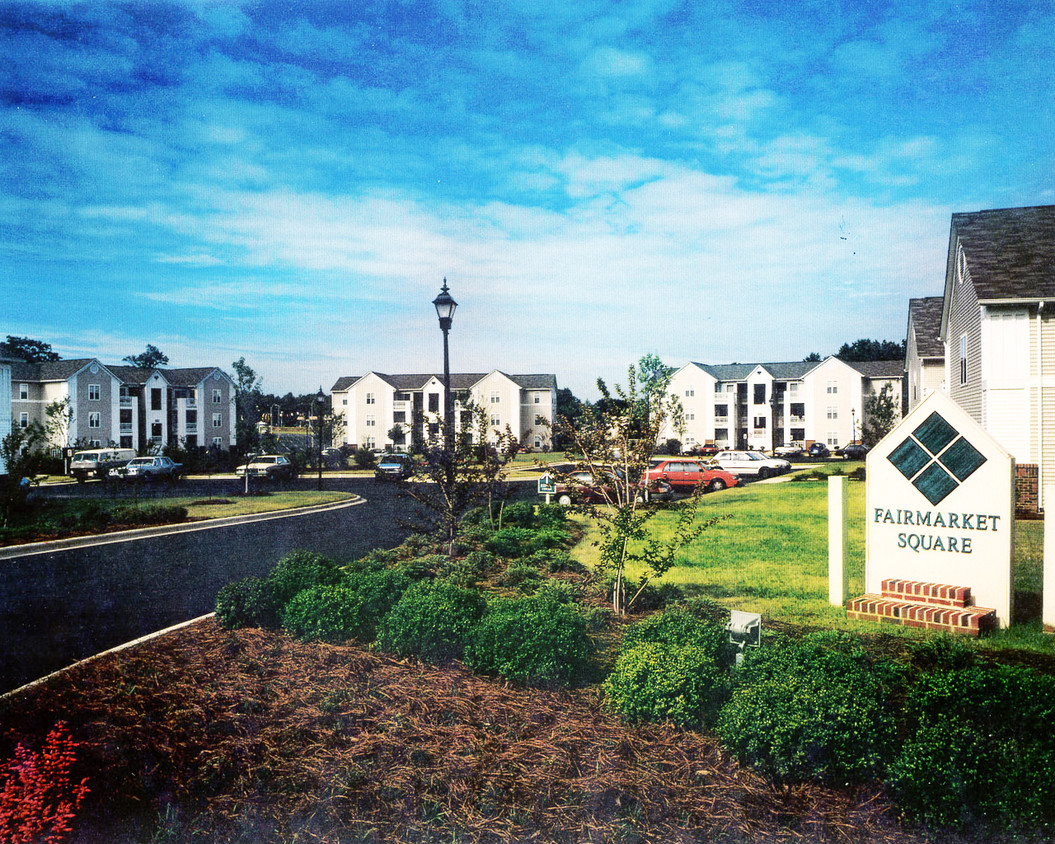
(31, 549)
(126, 646)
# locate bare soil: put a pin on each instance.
(211, 735)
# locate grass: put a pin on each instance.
(769, 555)
(199, 508)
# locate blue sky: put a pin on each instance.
(710, 181)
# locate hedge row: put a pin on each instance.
(961, 745)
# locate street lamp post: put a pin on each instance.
(445, 306)
(320, 397)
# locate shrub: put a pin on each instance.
(510, 542)
(38, 800)
(943, 652)
(300, 570)
(374, 560)
(658, 682)
(156, 514)
(433, 620)
(250, 602)
(810, 709)
(380, 591)
(521, 576)
(424, 568)
(364, 459)
(651, 597)
(519, 514)
(980, 750)
(328, 614)
(534, 641)
(547, 538)
(680, 627)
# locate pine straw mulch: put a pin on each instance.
(255, 736)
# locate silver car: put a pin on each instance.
(751, 464)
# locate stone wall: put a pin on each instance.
(1027, 490)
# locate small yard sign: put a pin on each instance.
(939, 507)
(546, 486)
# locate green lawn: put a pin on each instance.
(770, 555)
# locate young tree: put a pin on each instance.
(616, 438)
(881, 413)
(454, 480)
(151, 358)
(22, 453)
(59, 416)
(28, 349)
(247, 403)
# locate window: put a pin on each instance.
(371, 422)
(538, 398)
(721, 435)
(833, 388)
(434, 402)
(760, 393)
(344, 402)
(721, 411)
(833, 439)
(495, 420)
(833, 412)
(798, 434)
(496, 397)
(793, 387)
(192, 416)
(371, 398)
(23, 392)
(690, 393)
(538, 441)
(798, 409)
(717, 386)
(215, 396)
(399, 417)
(155, 398)
(217, 442)
(730, 388)
(370, 444)
(94, 419)
(402, 397)
(23, 420)
(690, 417)
(760, 421)
(963, 358)
(217, 420)
(93, 392)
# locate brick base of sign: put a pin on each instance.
(934, 606)
(1027, 490)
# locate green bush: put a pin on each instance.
(679, 627)
(250, 602)
(682, 684)
(533, 641)
(155, 514)
(519, 514)
(380, 591)
(327, 613)
(521, 576)
(425, 567)
(300, 570)
(980, 750)
(810, 709)
(510, 542)
(433, 620)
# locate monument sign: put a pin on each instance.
(939, 510)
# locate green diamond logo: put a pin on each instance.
(936, 458)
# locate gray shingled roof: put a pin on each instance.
(535, 382)
(1010, 251)
(132, 374)
(925, 316)
(189, 376)
(344, 382)
(878, 368)
(51, 370)
(459, 380)
(781, 370)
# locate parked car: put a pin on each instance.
(855, 451)
(819, 450)
(149, 469)
(394, 467)
(751, 463)
(704, 450)
(333, 458)
(686, 475)
(98, 461)
(792, 449)
(272, 467)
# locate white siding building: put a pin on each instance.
(924, 351)
(382, 411)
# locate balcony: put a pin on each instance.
(126, 401)
(191, 428)
(126, 427)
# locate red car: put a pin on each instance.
(686, 475)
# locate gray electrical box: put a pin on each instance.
(744, 629)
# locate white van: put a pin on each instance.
(98, 461)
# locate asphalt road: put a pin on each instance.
(59, 607)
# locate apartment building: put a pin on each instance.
(5, 402)
(766, 405)
(998, 329)
(382, 411)
(131, 407)
(924, 351)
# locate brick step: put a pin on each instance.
(971, 621)
(938, 594)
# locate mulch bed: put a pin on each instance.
(214, 735)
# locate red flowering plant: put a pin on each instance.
(38, 801)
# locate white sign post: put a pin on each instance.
(838, 542)
(940, 507)
(546, 486)
(1047, 613)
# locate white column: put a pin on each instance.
(1047, 613)
(838, 542)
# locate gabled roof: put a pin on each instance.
(135, 374)
(51, 370)
(1010, 251)
(459, 380)
(535, 382)
(878, 368)
(924, 315)
(344, 382)
(192, 375)
(781, 371)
